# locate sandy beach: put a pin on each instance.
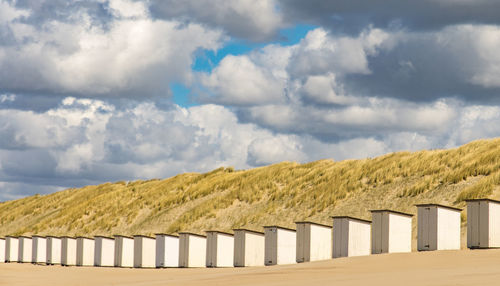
(464, 267)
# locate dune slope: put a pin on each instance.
(278, 194)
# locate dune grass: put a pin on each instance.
(278, 194)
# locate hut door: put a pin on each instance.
(483, 223)
(426, 219)
(301, 242)
(476, 226)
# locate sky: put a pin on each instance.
(101, 91)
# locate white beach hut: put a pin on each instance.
(85, 251)
(281, 245)
(351, 236)
(68, 251)
(192, 250)
(25, 249)
(483, 223)
(124, 251)
(249, 248)
(54, 247)
(104, 251)
(438, 227)
(167, 250)
(391, 231)
(11, 249)
(2, 250)
(314, 241)
(220, 249)
(39, 249)
(144, 251)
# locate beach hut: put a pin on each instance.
(438, 227)
(54, 247)
(249, 248)
(2, 250)
(220, 249)
(11, 249)
(39, 249)
(124, 251)
(483, 223)
(144, 251)
(351, 236)
(167, 250)
(68, 251)
(25, 249)
(314, 241)
(391, 231)
(280, 245)
(104, 251)
(192, 250)
(85, 251)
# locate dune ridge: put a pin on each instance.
(281, 194)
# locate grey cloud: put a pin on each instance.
(432, 65)
(366, 119)
(17, 190)
(43, 11)
(35, 163)
(7, 37)
(250, 20)
(32, 102)
(351, 16)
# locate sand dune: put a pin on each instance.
(464, 267)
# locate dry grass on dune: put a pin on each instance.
(276, 194)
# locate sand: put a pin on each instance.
(464, 267)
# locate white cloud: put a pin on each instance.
(265, 151)
(346, 149)
(484, 41)
(128, 9)
(239, 81)
(272, 74)
(27, 129)
(320, 52)
(325, 89)
(9, 13)
(90, 141)
(86, 141)
(7, 97)
(330, 95)
(475, 122)
(316, 100)
(257, 78)
(365, 117)
(132, 54)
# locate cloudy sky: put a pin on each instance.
(97, 91)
